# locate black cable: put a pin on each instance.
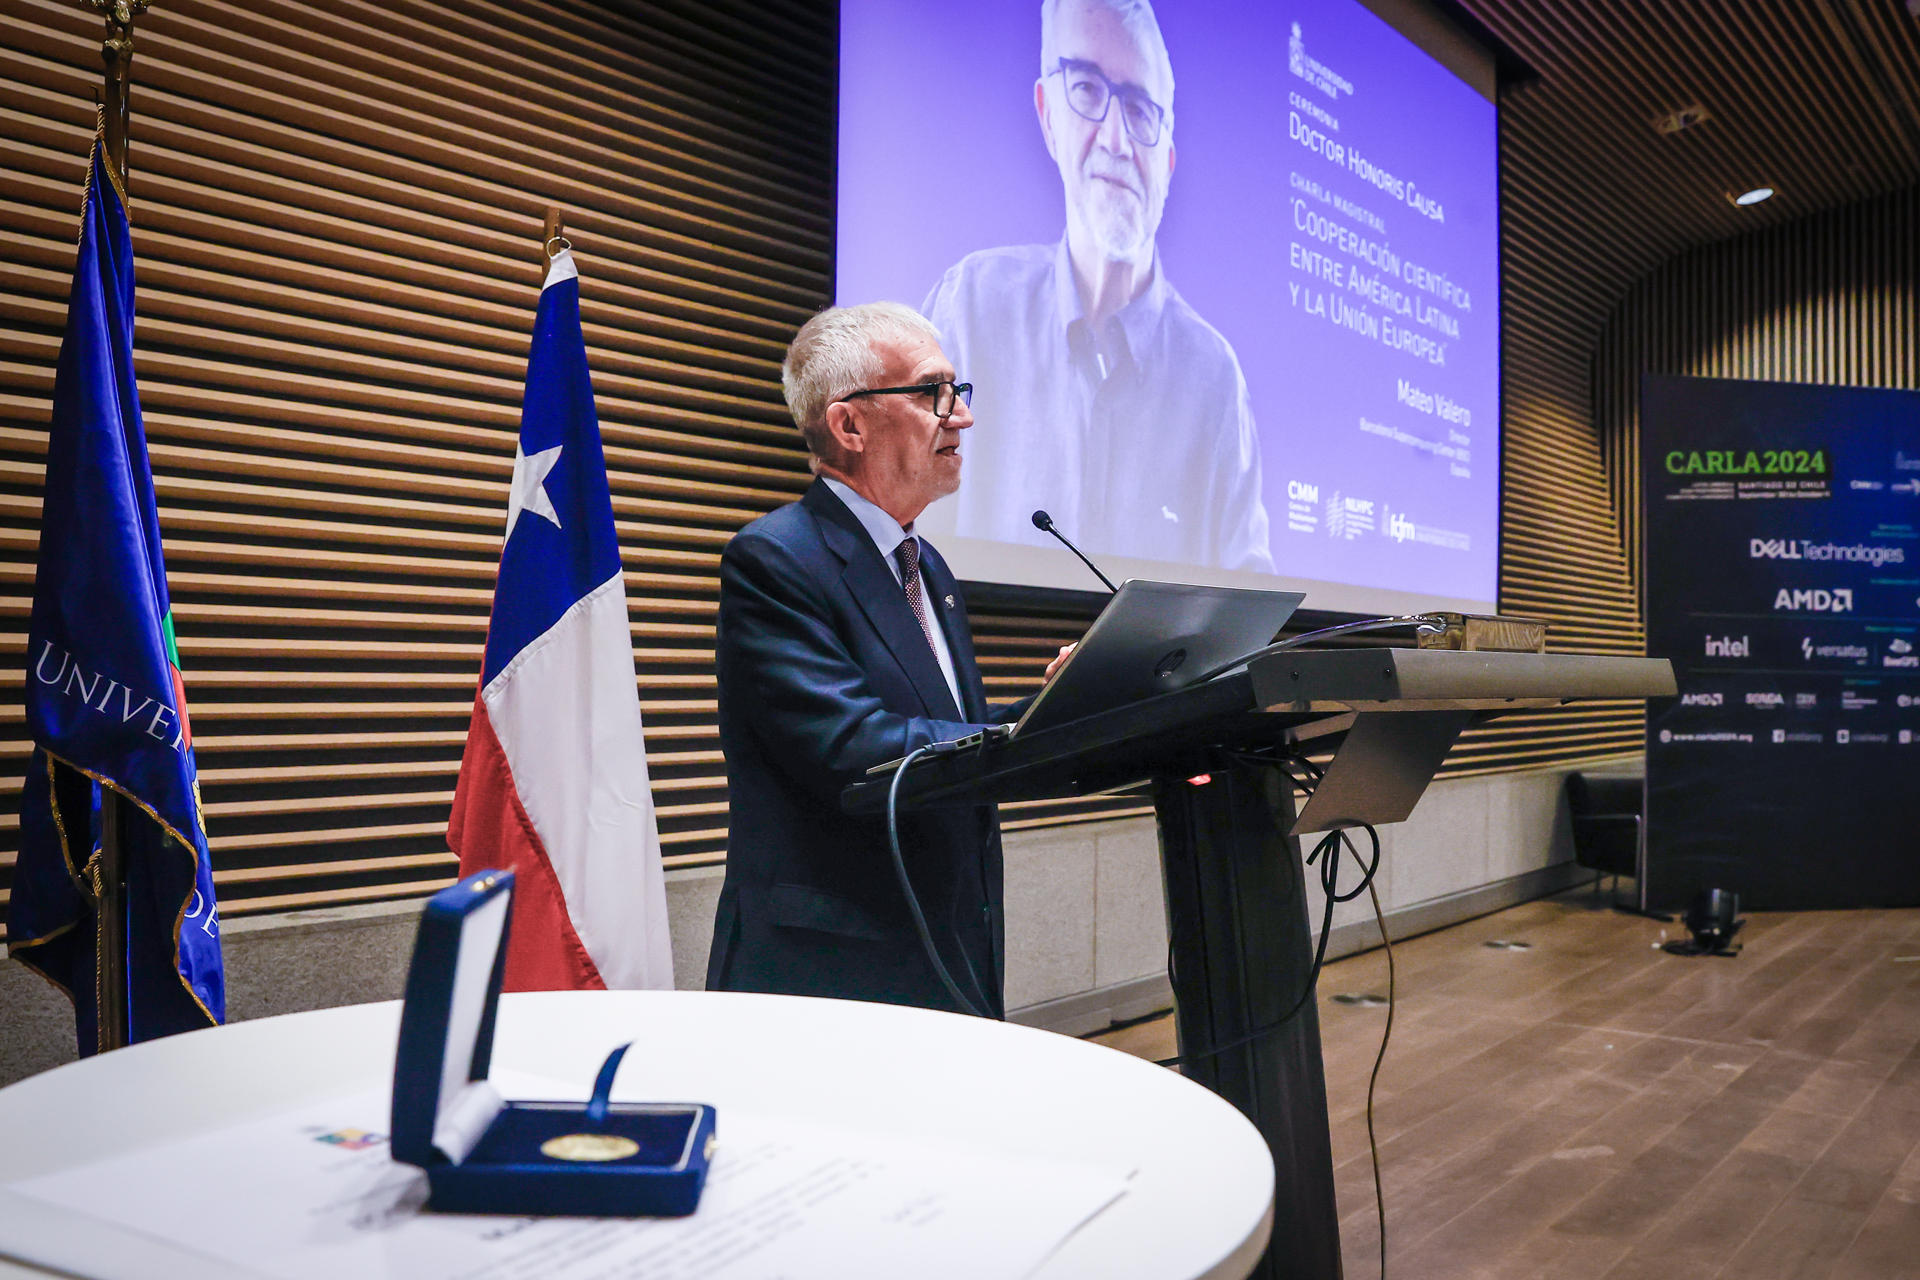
(1329, 848)
(1373, 1144)
(906, 885)
(1285, 763)
(1422, 623)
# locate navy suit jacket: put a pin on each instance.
(824, 672)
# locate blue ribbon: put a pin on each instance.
(603, 1085)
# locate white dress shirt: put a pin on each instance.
(887, 536)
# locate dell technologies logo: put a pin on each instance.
(1807, 549)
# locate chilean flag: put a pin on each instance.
(553, 785)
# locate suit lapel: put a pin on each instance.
(944, 599)
(879, 595)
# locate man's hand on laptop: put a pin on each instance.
(1059, 659)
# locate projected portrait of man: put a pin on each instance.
(1111, 403)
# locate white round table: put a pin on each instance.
(1201, 1204)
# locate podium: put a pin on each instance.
(1230, 854)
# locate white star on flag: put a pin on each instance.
(530, 486)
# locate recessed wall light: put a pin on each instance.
(1754, 196)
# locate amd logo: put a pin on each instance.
(1814, 599)
(1703, 699)
(1728, 647)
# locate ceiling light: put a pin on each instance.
(1686, 117)
(1754, 196)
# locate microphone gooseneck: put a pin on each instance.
(1044, 522)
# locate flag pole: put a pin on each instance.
(109, 879)
(116, 53)
(554, 229)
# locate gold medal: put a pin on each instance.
(589, 1146)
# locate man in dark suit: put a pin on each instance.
(842, 644)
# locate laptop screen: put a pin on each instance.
(1153, 638)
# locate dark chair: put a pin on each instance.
(1606, 810)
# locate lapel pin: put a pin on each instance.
(949, 601)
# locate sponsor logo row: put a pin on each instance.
(1895, 654)
(1800, 700)
(1345, 517)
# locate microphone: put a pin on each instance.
(1044, 522)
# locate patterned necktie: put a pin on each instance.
(908, 553)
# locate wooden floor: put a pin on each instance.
(1594, 1107)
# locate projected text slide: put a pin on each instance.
(1226, 283)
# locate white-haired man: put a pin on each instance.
(842, 644)
(1115, 406)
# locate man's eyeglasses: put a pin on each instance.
(1090, 95)
(945, 394)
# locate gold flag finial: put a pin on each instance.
(116, 54)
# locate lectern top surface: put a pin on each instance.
(1428, 679)
(1288, 696)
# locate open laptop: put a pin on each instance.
(1152, 638)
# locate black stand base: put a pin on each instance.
(1237, 912)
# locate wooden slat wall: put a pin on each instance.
(1834, 299)
(337, 212)
(1560, 549)
(336, 215)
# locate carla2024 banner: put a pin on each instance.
(1782, 575)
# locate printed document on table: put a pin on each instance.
(315, 1193)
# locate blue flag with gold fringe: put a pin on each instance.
(105, 703)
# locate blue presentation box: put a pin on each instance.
(484, 1154)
